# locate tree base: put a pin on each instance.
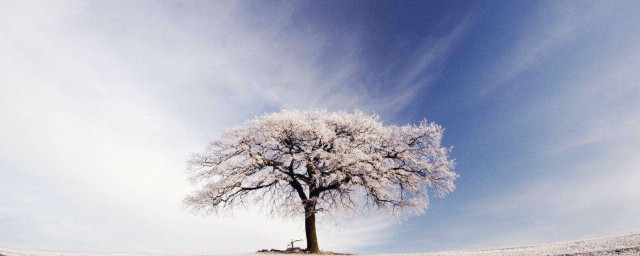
(297, 250)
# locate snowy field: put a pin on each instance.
(618, 245)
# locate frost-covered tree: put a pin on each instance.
(309, 163)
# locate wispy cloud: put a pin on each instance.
(551, 28)
(424, 68)
(103, 101)
(578, 179)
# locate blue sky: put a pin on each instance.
(102, 102)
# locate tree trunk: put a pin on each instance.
(310, 229)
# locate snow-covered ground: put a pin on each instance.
(617, 245)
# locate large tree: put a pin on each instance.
(308, 163)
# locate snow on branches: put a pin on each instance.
(299, 162)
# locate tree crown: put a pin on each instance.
(318, 161)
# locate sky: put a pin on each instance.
(102, 102)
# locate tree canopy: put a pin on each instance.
(310, 162)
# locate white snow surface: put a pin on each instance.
(617, 245)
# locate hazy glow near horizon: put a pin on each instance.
(101, 103)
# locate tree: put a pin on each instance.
(318, 162)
